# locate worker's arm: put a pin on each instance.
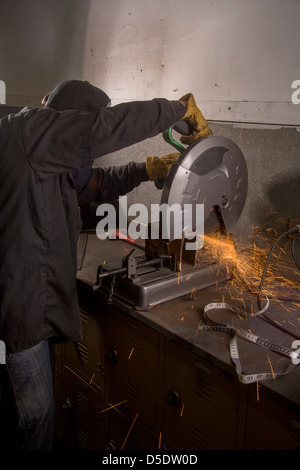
(107, 184)
(128, 123)
(55, 141)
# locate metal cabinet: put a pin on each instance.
(201, 403)
(270, 425)
(87, 356)
(80, 386)
(83, 423)
(127, 385)
(134, 376)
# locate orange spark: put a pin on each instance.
(130, 354)
(112, 406)
(271, 367)
(159, 442)
(92, 378)
(129, 431)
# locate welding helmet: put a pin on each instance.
(76, 94)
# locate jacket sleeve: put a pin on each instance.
(56, 142)
(129, 123)
(107, 184)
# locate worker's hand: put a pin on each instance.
(159, 167)
(196, 121)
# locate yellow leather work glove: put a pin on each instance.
(159, 167)
(197, 122)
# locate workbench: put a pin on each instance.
(174, 385)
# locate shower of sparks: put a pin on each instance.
(245, 267)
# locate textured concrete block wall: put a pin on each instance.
(273, 159)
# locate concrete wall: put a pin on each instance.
(239, 58)
(273, 159)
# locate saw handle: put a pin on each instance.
(182, 128)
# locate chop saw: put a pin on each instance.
(212, 172)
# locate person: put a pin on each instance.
(46, 162)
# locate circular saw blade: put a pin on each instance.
(212, 172)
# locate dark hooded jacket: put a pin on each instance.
(46, 159)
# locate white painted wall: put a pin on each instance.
(238, 57)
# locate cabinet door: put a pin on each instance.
(270, 425)
(83, 424)
(201, 403)
(127, 432)
(87, 355)
(135, 368)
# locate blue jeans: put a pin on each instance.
(31, 398)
